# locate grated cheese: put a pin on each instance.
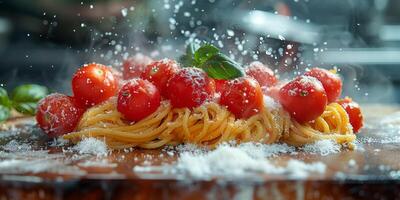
(322, 147)
(234, 161)
(91, 146)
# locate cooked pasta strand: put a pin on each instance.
(210, 125)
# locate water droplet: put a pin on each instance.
(230, 32)
(91, 6)
(124, 12)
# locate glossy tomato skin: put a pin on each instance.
(262, 74)
(243, 97)
(138, 99)
(159, 72)
(93, 84)
(134, 66)
(58, 114)
(330, 81)
(190, 87)
(220, 85)
(354, 111)
(304, 98)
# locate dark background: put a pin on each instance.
(45, 41)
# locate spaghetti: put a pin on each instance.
(209, 125)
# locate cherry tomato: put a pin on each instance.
(159, 72)
(190, 87)
(58, 114)
(134, 66)
(243, 97)
(93, 84)
(354, 111)
(263, 74)
(137, 99)
(330, 81)
(220, 85)
(304, 98)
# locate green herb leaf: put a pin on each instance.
(4, 100)
(204, 53)
(4, 113)
(25, 97)
(212, 61)
(5, 105)
(188, 60)
(27, 108)
(220, 66)
(29, 93)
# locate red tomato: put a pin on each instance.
(263, 74)
(220, 85)
(159, 72)
(134, 66)
(304, 98)
(58, 114)
(354, 111)
(330, 81)
(190, 87)
(93, 84)
(137, 99)
(243, 97)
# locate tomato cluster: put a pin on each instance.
(306, 97)
(145, 83)
(58, 114)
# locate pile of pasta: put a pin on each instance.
(206, 99)
(209, 125)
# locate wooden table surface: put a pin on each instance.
(372, 171)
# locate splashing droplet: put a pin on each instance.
(124, 12)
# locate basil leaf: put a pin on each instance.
(25, 97)
(27, 108)
(188, 60)
(29, 93)
(4, 113)
(4, 100)
(5, 105)
(220, 66)
(204, 53)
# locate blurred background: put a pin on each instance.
(45, 41)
